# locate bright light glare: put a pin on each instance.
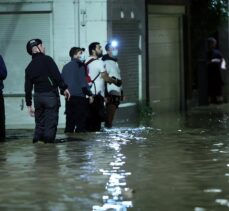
(114, 43)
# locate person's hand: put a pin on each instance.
(31, 111)
(67, 94)
(91, 99)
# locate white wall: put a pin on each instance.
(83, 23)
(93, 23)
(70, 27)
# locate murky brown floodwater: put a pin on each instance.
(171, 162)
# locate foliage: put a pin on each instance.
(207, 15)
(145, 111)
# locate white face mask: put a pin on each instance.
(114, 53)
(82, 57)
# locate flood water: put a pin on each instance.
(169, 162)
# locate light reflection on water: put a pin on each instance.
(116, 186)
(172, 163)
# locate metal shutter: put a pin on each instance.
(16, 30)
(127, 34)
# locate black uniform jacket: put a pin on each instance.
(42, 73)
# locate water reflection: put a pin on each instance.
(118, 193)
(174, 162)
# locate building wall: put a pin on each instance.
(168, 7)
(72, 23)
(117, 8)
(168, 2)
(126, 20)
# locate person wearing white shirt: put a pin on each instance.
(96, 76)
(215, 81)
(113, 91)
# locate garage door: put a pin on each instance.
(127, 34)
(16, 30)
(165, 62)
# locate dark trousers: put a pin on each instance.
(77, 111)
(215, 83)
(96, 114)
(46, 116)
(111, 109)
(112, 104)
(2, 117)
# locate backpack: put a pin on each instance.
(88, 78)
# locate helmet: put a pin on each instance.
(31, 43)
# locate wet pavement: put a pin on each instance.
(168, 162)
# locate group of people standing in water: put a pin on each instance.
(92, 87)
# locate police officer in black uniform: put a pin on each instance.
(43, 75)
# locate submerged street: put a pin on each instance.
(168, 162)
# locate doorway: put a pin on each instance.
(166, 75)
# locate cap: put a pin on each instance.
(31, 43)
